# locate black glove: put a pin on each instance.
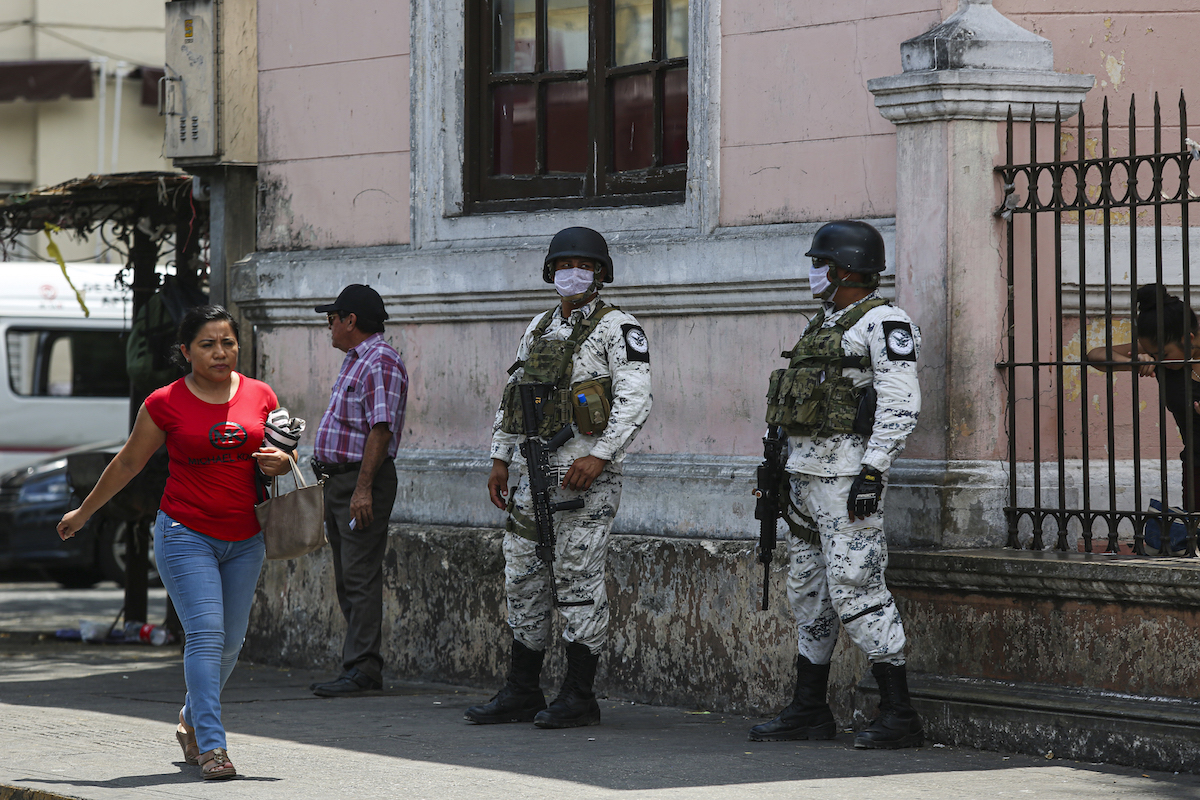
(865, 493)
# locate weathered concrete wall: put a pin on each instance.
(1088, 657)
(1129, 625)
(686, 625)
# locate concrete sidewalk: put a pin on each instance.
(97, 721)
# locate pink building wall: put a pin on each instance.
(801, 140)
(800, 137)
(334, 152)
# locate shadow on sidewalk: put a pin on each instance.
(637, 747)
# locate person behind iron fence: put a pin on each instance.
(591, 361)
(848, 400)
(1159, 311)
(354, 452)
(207, 540)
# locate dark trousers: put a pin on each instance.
(358, 565)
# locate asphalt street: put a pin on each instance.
(97, 721)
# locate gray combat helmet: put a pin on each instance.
(578, 243)
(852, 245)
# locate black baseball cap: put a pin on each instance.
(359, 299)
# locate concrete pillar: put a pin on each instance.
(959, 81)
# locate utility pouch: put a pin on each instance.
(557, 413)
(510, 420)
(794, 399)
(548, 361)
(864, 420)
(591, 405)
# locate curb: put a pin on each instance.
(8, 792)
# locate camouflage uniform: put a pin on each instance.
(617, 348)
(836, 566)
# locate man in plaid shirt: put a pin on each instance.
(354, 451)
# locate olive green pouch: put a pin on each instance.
(591, 405)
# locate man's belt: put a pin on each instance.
(320, 468)
(327, 470)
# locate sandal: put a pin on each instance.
(215, 765)
(187, 740)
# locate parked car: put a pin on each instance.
(34, 498)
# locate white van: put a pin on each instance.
(64, 382)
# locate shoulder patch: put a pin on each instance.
(637, 348)
(901, 345)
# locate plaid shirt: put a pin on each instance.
(371, 388)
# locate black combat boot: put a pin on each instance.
(808, 717)
(521, 698)
(897, 724)
(575, 706)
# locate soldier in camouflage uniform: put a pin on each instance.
(848, 400)
(601, 355)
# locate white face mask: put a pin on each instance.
(574, 281)
(818, 280)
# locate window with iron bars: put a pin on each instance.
(1097, 453)
(575, 103)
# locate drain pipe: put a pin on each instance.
(120, 74)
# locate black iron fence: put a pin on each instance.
(1091, 443)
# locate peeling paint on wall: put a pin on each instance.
(1115, 67)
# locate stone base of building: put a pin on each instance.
(1092, 657)
(1089, 725)
(687, 627)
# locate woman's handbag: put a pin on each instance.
(293, 524)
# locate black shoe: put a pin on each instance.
(353, 682)
(808, 716)
(575, 706)
(897, 724)
(312, 686)
(520, 698)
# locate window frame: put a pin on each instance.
(602, 185)
(46, 338)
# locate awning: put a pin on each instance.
(45, 80)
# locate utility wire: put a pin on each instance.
(90, 49)
(81, 26)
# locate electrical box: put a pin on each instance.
(187, 92)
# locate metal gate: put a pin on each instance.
(1088, 448)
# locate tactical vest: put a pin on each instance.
(550, 362)
(812, 397)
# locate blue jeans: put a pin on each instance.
(212, 584)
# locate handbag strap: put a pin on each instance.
(294, 472)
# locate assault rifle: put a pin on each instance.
(769, 506)
(534, 397)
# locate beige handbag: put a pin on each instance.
(293, 524)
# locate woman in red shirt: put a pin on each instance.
(207, 541)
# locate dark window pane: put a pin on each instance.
(633, 31)
(566, 34)
(67, 363)
(515, 35)
(633, 122)
(677, 28)
(514, 121)
(567, 127)
(99, 365)
(675, 113)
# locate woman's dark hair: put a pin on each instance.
(1177, 319)
(195, 319)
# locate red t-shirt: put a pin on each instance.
(211, 485)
